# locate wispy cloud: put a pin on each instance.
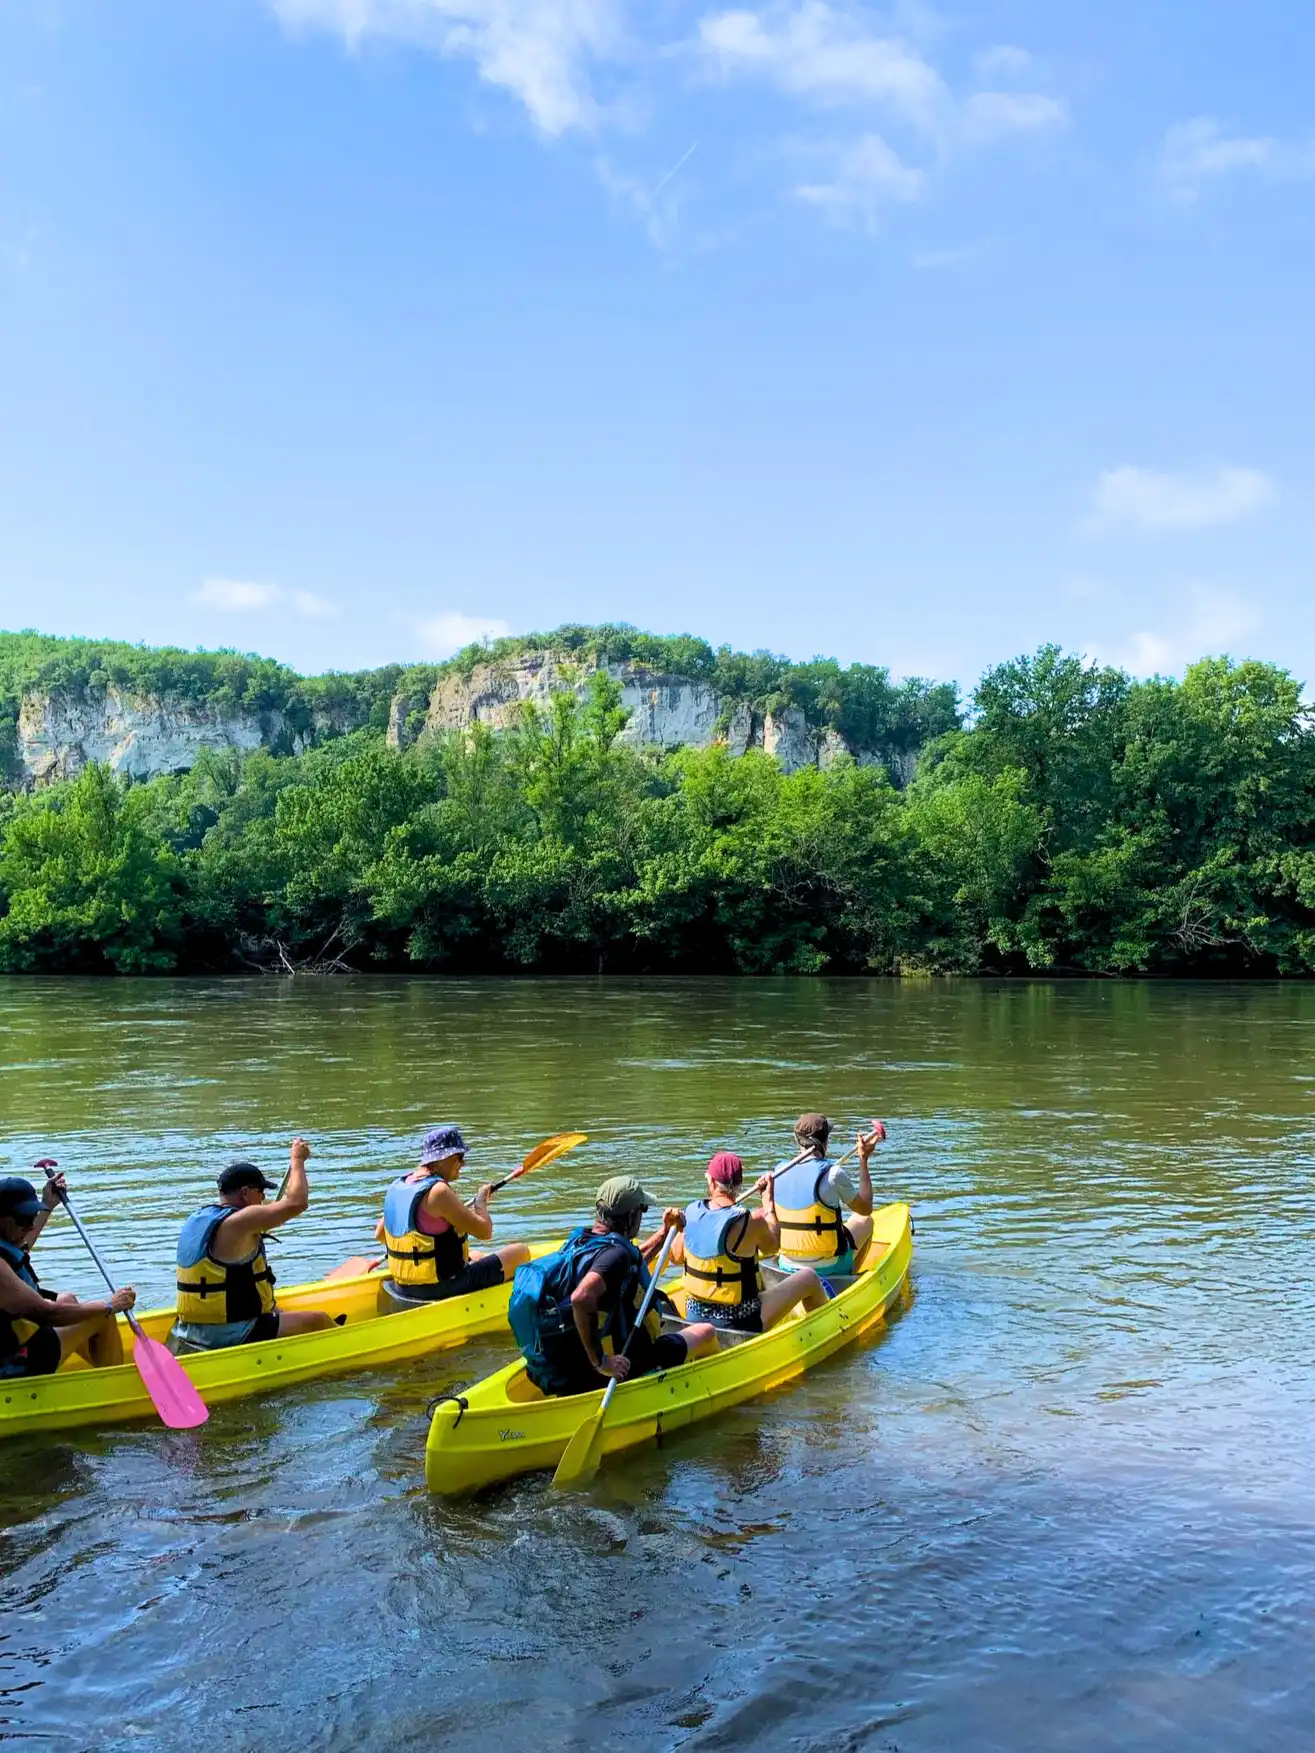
(440, 635)
(830, 56)
(241, 596)
(992, 115)
(1165, 499)
(864, 177)
(1203, 151)
(543, 52)
(1004, 62)
(1206, 623)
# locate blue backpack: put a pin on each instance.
(540, 1292)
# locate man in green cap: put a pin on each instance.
(592, 1301)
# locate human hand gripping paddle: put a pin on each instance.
(585, 1449)
(546, 1152)
(876, 1135)
(172, 1391)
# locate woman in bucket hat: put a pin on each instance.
(427, 1228)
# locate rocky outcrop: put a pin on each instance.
(57, 735)
(669, 712)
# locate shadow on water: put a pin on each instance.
(1063, 1501)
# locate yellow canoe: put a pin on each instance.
(504, 1426)
(370, 1337)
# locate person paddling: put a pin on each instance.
(38, 1329)
(426, 1228)
(719, 1248)
(811, 1199)
(225, 1284)
(590, 1300)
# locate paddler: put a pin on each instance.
(812, 1197)
(37, 1328)
(225, 1284)
(426, 1227)
(593, 1295)
(719, 1247)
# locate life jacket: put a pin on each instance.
(811, 1228)
(211, 1291)
(543, 1320)
(712, 1273)
(414, 1257)
(15, 1333)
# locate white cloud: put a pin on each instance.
(866, 176)
(820, 52)
(1004, 62)
(1201, 151)
(990, 115)
(541, 51)
(1207, 623)
(240, 596)
(441, 635)
(1168, 500)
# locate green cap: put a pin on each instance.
(621, 1195)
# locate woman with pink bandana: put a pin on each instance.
(720, 1247)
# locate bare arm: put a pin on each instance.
(466, 1220)
(861, 1203)
(25, 1304)
(764, 1228)
(585, 1301)
(237, 1234)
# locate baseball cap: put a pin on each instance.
(622, 1194)
(440, 1142)
(239, 1175)
(813, 1126)
(726, 1169)
(18, 1198)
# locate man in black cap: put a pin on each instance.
(225, 1285)
(38, 1328)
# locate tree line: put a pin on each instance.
(1078, 821)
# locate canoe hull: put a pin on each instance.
(372, 1338)
(506, 1428)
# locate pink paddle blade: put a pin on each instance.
(169, 1385)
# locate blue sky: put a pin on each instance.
(342, 329)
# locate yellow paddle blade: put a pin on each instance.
(583, 1453)
(552, 1148)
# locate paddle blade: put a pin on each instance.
(551, 1149)
(578, 1465)
(356, 1267)
(171, 1388)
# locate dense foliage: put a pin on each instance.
(1083, 822)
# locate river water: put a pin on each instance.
(1063, 1501)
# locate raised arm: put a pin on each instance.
(763, 1231)
(861, 1203)
(238, 1232)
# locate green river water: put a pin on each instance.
(1064, 1501)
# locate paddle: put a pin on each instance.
(547, 1151)
(585, 1449)
(803, 1154)
(172, 1391)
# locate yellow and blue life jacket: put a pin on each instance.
(210, 1291)
(812, 1229)
(414, 1257)
(15, 1333)
(713, 1274)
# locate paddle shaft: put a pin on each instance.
(802, 1157)
(101, 1267)
(644, 1307)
